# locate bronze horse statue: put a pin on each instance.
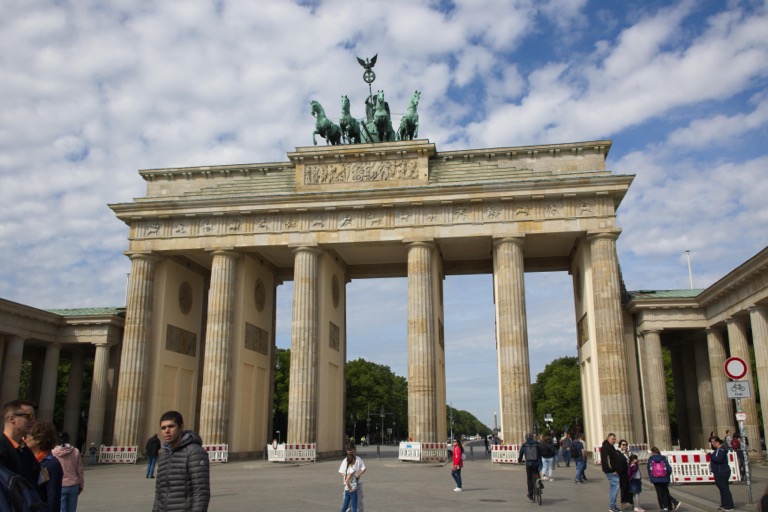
(350, 128)
(324, 127)
(409, 124)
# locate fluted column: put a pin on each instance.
(74, 391)
(422, 378)
(758, 317)
(512, 339)
(724, 418)
(302, 393)
(214, 402)
(99, 389)
(737, 340)
(615, 399)
(131, 399)
(14, 350)
(48, 387)
(706, 400)
(655, 387)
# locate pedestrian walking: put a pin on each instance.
(152, 449)
(73, 482)
(458, 463)
(659, 472)
(547, 458)
(359, 468)
(350, 483)
(635, 485)
(718, 464)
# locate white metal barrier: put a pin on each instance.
(118, 454)
(423, 452)
(217, 452)
(505, 453)
(692, 466)
(292, 452)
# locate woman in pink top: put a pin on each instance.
(73, 482)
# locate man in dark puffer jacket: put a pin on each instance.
(182, 469)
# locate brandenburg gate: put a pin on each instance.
(209, 246)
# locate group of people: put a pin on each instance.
(50, 467)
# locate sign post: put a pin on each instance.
(735, 369)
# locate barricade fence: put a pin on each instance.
(505, 453)
(688, 466)
(423, 452)
(118, 454)
(306, 452)
(217, 452)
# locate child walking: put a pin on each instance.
(635, 485)
(350, 484)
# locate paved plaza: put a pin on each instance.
(389, 485)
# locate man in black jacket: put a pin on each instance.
(611, 461)
(183, 480)
(18, 418)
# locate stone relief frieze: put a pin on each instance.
(387, 170)
(256, 339)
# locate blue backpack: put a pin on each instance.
(18, 495)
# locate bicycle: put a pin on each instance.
(538, 488)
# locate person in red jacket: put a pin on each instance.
(458, 463)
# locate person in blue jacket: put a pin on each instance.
(661, 481)
(718, 464)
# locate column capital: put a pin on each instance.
(597, 235)
(142, 256)
(517, 240)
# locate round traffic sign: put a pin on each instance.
(735, 368)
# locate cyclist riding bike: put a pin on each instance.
(531, 452)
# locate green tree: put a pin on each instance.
(557, 391)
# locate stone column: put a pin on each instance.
(615, 399)
(99, 391)
(758, 317)
(706, 401)
(655, 387)
(74, 392)
(14, 350)
(422, 377)
(214, 402)
(681, 400)
(131, 390)
(512, 339)
(302, 393)
(48, 388)
(723, 405)
(737, 339)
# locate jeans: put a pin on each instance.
(613, 479)
(350, 498)
(456, 474)
(581, 465)
(567, 457)
(547, 467)
(151, 466)
(69, 494)
(721, 481)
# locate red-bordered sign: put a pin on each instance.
(735, 368)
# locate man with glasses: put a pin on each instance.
(18, 418)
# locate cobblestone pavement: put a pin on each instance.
(389, 485)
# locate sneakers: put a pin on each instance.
(457, 489)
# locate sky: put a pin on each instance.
(91, 92)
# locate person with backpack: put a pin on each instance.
(458, 462)
(659, 472)
(547, 458)
(721, 470)
(531, 452)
